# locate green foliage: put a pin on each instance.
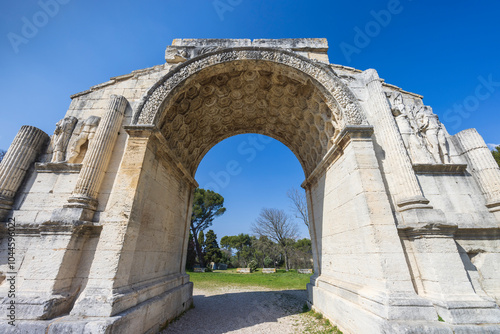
(252, 265)
(266, 252)
(320, 325)
(266, 249)
(243, 245)
(440, 319)
(303, 245)
(212, 250)
(301, 255)
(191, 253)
(496, 154)
(225, 242)
(207, 205)
(318, 315)
(268, 262)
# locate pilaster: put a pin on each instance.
(21, 154)
(409, 194)
(482, 165)
(98, 155)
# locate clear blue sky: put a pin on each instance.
(443, 50)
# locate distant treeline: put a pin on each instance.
(243, 250)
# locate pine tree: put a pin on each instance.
(207, 205)
(212, 250)
(191, 253)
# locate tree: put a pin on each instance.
(242, 243)
(191, 253)
(277, 226)
(302, 253)
(201, 241)
(496, 154)
(266, 251)
(2, 154)
(299, 202)
(207, 205)
(212, 250)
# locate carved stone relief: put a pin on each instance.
(431, 129)
(420, 130)
(83, 135)
(61, 137)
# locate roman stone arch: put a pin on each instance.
(227, 92)
(404, 217)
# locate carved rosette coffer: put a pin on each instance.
(98, 155)
(22, 153)
(483, 165)
(410, 195)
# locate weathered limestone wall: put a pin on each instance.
(462, 202)
(138, 260)
(165, 222)
(351, 203)
(48, 189)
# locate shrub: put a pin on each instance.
(252, 265)
(268, 262)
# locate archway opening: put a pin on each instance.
(251, 172)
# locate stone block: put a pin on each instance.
(305, 271)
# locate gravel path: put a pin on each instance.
(243, 310)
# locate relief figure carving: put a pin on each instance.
(62, 135)
(412, 141)
(86, 134)
(431, 128)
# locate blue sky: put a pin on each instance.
(447, 51)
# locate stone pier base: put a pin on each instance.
(147, 317)
(356, 314)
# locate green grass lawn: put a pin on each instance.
(281, 280)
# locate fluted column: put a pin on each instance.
(21, 154)
(483, 165)
(98, 155)
(409, 194)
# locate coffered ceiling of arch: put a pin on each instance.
(249, 97)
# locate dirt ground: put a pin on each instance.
(246, 310)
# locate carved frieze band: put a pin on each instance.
(22, 153)
(340, 94)
(99, 153)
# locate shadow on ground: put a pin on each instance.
(248, 311)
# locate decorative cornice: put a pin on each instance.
(440, 168)
(348, 134)
(152, 131)
(60, 167)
